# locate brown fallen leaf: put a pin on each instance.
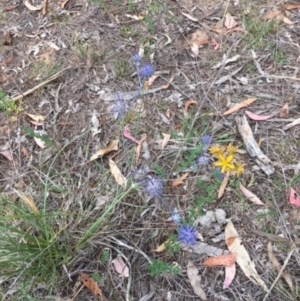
(284, 112)
(115, 171)
(179, 181)
(240, 105)
(150, 82)
(197, 39)
(235, 246)
(45, 7)
(165, 140)
(189, 103)
(37, 118)
(251, 196)
(91, 285)
(223, 185)
(229, 22)
(287, 20)
(63, 4)
(292, 7)
(195, 280)
(139, 147)
(221, 260)
(271, 15)
(162, 247)
(7, 154)
(112, 146)
(277, 266)
(257, 117)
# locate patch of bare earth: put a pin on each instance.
(90, 46)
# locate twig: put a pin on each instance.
(280, 273)
(49, 80)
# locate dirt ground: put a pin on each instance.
(88, 47)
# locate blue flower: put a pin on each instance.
(203, 160)
(136, 59)
(119, 107)
(217, 174)
(176, 218)
(153, 187)
(206, 139)
(187, 235)
(146, 71)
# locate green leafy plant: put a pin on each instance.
(159, 267)
(9, 106)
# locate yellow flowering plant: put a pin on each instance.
(226, 159)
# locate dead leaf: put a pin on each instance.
(292, 7)
(162, 247)
(229, 275)
(229, 21)
(41, 143)
(235, 246)
(189, 17)
(29, 202)
(139, 147)
(7, 154)
(127, 135)
(277, 266)
(199, 37)
(115, 171)
(150, 82)
(284, 112)
(195, 280)
(63, 4)
(287, 21)
(37, 118)
(221, 260)
(31, 7)
(112, 146)
(240, 105)
(91, 285)
(189, 103)
(165, 140)
(251, 196)
(120, 267)
(257, 117)
(45, 7)
(138, 17)
(179, 181)
(271, 15)
(294, 198)
(223, 185)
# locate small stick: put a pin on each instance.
(280, 273)
(49, 80)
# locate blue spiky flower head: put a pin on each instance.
(146, 71)
(187, 235)
(203, 160)
(136, 59)
(119, 107)
(207, 139)
(154, 187)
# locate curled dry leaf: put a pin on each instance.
(179, 181)
(229, 275)
(165, 140)
(251, 196)
(257, 117)
(284, 112)
(294, 198)
(221, 260)
(91, 285)
(120, 267)
(223, 185)
(240, 105)
(162, 247)
(277, 266)
(189, 103)
(7, 154)
(127, 135)
(139, 147)
(115, 171)
(195, 280)
(31, 7)
(112, 146)
(150, 82)
(235, 246)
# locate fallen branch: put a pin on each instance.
(49, 80)
(252, 147)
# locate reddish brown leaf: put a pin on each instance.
(238, 106)
(271, 15)
(189, 103)
(257, 117)
(294, 198)
(91, 285)
(292, 6)
(179, 181)
(284, 112)
(221, 260)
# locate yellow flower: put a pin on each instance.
(231, 149)
(239, 169)
(216, 151)
(225, 163)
